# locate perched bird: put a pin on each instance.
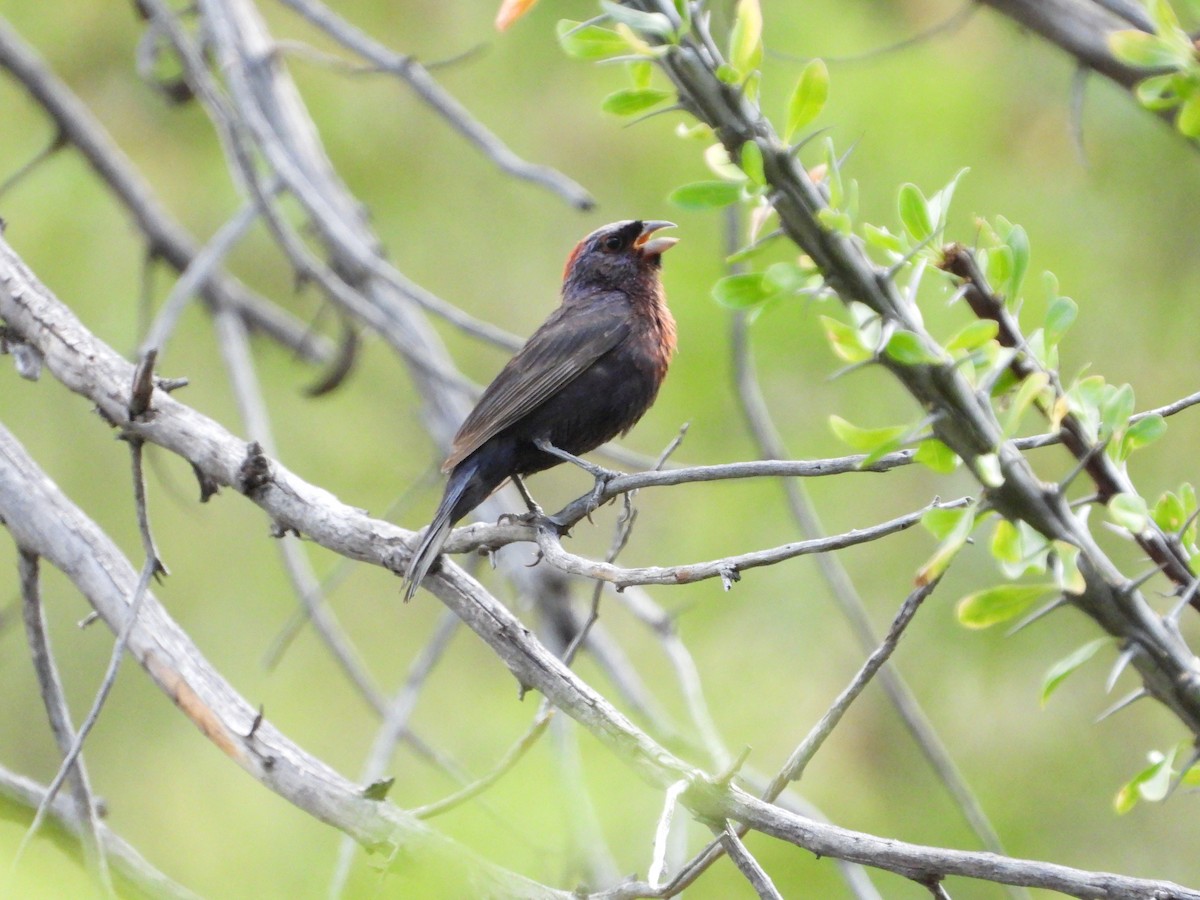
(586, 375)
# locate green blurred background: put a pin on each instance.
(1117, 224)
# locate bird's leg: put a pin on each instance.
(602, 475)
(535, 510)
(526, 496)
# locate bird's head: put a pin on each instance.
(620, 256)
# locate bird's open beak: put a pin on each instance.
(653, 247)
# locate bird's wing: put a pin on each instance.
(566, 344)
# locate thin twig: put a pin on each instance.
(59, 716)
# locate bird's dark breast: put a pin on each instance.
(602, 402)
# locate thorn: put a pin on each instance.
(258, 720)
(674, 107)
(1130, 586)
(1121, 704)
(143, 385)
(1050, 607)
(1172, 618)
(1083, 463)
(724, 778)
(808, 138)
(1118, 667)
(88, 620)
(1192, 760)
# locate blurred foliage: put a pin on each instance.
(1116, 224)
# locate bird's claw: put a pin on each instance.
(537, 517)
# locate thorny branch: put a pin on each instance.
(43, 521)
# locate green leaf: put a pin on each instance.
(1029, 391)
(1188, 120)
(988, 470)
(702, 195)
(866, 440)
(589, 42)
(808, 99)
(1058, 672)
(752, 163)
(907, 348)
(882, 239)
(985, 608)
(1018, 242)
(1146, 51)
(784, 277)
(1160, 92)
(1168, 513)
(741, 291)
(1152, 783)
(1165, 20)
(1006, 542)
(914, 212)
(936, 456)
(999, 267)
(974, 334)
(745, 40)
(640, 72)
(954, 528)
(1129, 511)
(1144, 431)
(846, 341)
(633, 100)
(1059, 317)
(1116, 408)
(653, 23)
(1067, 574)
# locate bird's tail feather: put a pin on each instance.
(435, 535)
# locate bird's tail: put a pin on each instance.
(450, 510)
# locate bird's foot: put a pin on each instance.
(537, 517)
(601, 475)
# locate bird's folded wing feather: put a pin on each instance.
(564, 346)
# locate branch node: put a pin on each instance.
(255, 471)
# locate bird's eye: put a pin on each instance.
(613, 242)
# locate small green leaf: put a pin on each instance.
(1144, 431)
(1006, 542)
(1018, 242)
(988, 470)
(784, 277)
(1116, 408)
(1059, 317)
(653, 23)
(633, 100)
(953, 527)
(936, 456)
(589, 42)
(1058, 672)
(1188, 120)
(1129, 511)
(745, 40)
(702, 195)
(1168, 513)
(1165, 20)
(907, 348)
(808, 99)
(973, 335)
(914, 212)
(378, 790)
(882, 239)
(752, 163)
(1068, 574)
(741, 291)
(640, 73)
(1027, 393)
(999, 266)
(846, 341)
(985, 608)
(866, 440)
(1146, 51)
(1160, 92)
